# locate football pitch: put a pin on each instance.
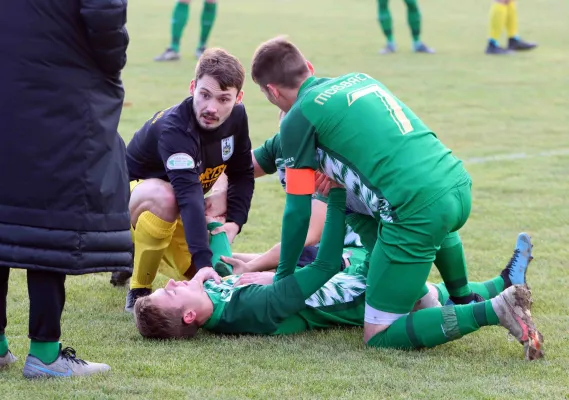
(505, 116)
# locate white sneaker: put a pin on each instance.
(168, 55)
(7, 359)
(65, 365)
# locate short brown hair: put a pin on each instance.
(161, 323)
(225, 68)
(279, 62)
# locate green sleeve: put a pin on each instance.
(296, 219)
(327, 263)
(298, 141)
(260, 309)
(267, 154)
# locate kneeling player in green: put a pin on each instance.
(419, 193)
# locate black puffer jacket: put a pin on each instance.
(63, 181)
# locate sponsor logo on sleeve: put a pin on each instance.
(180, 161)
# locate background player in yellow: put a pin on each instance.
(174, 159)
(504, 16)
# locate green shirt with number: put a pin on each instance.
(357, 132)
(370, 141)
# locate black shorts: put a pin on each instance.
(308, 256)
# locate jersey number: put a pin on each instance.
(389, 102)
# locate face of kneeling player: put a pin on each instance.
(212, 105)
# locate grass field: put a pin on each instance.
(505, 116)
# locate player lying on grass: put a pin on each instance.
(358, 133)
(315, 296)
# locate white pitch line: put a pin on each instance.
(516, 156)
(481, 160)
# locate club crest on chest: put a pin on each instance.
(227, 147)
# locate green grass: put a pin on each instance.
(478, 105)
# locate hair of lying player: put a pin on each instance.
(225, 68)
(279, 62)
(161, 323)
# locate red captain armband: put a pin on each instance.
(300, 181)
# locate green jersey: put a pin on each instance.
(358, 133)
(269, 157)
(253, 308)
(263, 310)
(315, 294)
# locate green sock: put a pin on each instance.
(208, 18)
(219, 245)
(3, 345)
(488, 290)
(179, 20)
(384, 18)
(434, 326)
(47, 352)
(451, 263)
(414, 20)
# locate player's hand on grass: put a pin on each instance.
(216, 204)
(230, 228)
(239, 267)
(255, 278)
(207, 273)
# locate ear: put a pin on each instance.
(239, 97)
(310, 67)
(192, 86)
(273, 90)
(189, 317)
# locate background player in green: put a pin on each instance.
(180, 16)
(413, 19)
(370, 142)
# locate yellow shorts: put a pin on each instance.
(177, 261)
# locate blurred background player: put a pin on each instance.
(180, 16)
(414, 21)
(504, 14)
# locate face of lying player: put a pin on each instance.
(212, 106)
(185, 296)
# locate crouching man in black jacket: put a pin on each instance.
(63, 178)
(173, 160)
